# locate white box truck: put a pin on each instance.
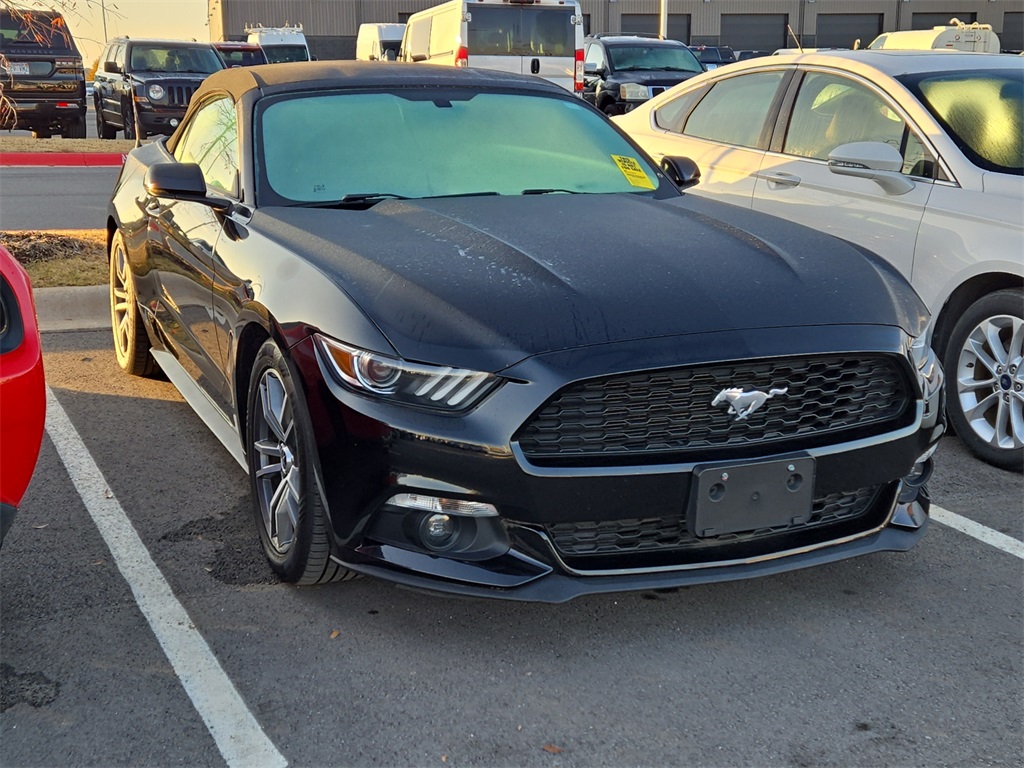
(286, 43)
(533, 37)
(379, 42)
(957, 36)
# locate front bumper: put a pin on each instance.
(159, 120)
(539, 546)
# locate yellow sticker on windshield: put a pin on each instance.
(633, 172)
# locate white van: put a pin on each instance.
(538, 37)
(379, 42)
(280, 43)
(957, 36)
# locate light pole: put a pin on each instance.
(103, 13)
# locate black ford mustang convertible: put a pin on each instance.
(463, 335)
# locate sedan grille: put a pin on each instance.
(664, 416)
(667, 534)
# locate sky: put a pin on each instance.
(183, 19)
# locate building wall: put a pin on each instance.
(331, 25)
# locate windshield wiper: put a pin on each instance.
(548, 191)
(354, 200)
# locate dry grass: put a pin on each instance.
(57, 144)
(57, 258)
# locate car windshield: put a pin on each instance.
(242, 57)
(164, 58)
(521, 31)
(20, 30)
(632, 58)
(982, 111)
(419, 143)
(276, 54)
(714, 55)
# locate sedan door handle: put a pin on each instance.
(780, 178)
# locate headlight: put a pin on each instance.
(430, 386)
(927, 363)
(633, 91)
(155, 92)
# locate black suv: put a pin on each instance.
(42, 81)
(151, 80)
(714, 56)
(622, 71)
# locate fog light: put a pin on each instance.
(920, 470)
(438, 531)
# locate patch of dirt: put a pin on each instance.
(31, 247)
(60, 258)
(57, 144)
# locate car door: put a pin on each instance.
(183, 241)
(725, 129)
(795, 183)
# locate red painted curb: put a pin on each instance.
(79, 159)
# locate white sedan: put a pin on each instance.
(916, 155)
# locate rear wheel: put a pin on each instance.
(131, 344)
(281, 457)
(985, 378)
(74, 128)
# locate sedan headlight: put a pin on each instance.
(155, 92)
(430, 386)
(929, 371)
(633, 91)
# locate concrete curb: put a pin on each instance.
(83, 308)
(66, 159)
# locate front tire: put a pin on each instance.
(131, 344)
(281, 457)
(103, 130)
(985, 378)
(128, 120)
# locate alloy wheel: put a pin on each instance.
(278, 473)
(120, 301)
(990, 381)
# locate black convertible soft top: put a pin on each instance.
(313, 75)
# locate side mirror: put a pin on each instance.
(681, 171)
(111, 66)
(593, 69)
(873, 160)
(181, 181)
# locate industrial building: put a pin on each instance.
(331, 25)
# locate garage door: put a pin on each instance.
(757, 31)
(840, 30)
(929, 20)
(647, 24)
(1012, 37)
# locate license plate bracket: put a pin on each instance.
(18, 68)
(740, 497)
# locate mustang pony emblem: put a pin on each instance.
(741, 403)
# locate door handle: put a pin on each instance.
(535, 66)
(780, 178)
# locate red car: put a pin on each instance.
(22, 388)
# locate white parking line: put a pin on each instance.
(978, 531)
(239, 737)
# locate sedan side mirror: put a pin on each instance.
(181, 181)
(873, 160)
(681, 171)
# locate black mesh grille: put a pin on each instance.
(179, 95)
(662, 534)
(666, 415)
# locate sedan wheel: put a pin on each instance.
(288, 504)
(985, 362)
(131, 344)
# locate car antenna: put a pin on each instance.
(795, 39)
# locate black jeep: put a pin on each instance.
(145, 85)
(42, 81)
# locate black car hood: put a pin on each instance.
(486, 281)
(653, 77)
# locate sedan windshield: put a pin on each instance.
(982, 111)
(426, 143)
(633, 58)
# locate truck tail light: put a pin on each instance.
(578, 75)
(462, 57)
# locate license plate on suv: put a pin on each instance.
(738, 497)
